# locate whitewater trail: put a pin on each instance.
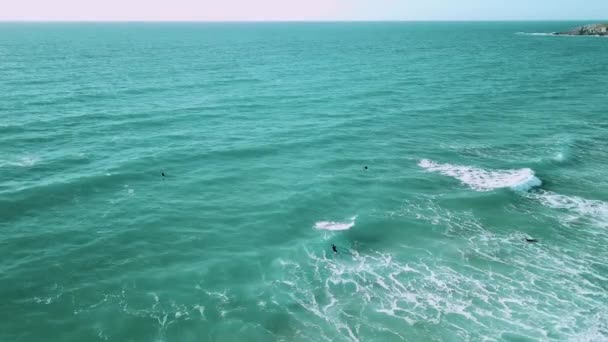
(595, 210)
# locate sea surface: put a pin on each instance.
(476, 136)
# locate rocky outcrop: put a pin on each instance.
(587, 30)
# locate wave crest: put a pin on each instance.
(485, 180)
(332, 225)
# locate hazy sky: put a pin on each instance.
(239, 10)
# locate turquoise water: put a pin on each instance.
(476, 136)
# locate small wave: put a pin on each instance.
(536, 34)
(485, 180)
(559, 157)
(331, 225)
(21, 162)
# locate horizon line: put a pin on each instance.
(285, 20)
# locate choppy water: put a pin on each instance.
(475, 138)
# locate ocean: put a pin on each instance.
(427, 153)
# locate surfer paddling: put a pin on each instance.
(334, 248)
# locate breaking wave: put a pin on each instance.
(485, 180)
(332, 225)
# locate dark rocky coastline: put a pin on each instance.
(587, 30)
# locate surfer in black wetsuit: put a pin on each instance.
(334, 248)
(365, 167)
(531, 240)
(162, 174)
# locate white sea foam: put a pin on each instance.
(452, 222)
(332, 225)
(485, 180)
(594, 209)
(473, 301)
